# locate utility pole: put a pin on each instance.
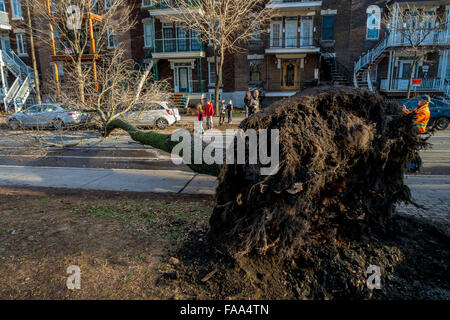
(33, 55)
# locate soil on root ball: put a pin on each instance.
(412, 258)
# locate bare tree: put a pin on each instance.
(417, 30)
(227, 25)
(98, 76)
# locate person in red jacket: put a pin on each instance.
(209, 113)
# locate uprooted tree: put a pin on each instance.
(343, 155)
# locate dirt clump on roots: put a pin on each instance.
(343, 155)
(312, 230)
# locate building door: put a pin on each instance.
(183, 79)
(403, 74)
(306, 31)
(290, 75)
(168, 39)
(181, 39)
(291, 33)
(275, 34)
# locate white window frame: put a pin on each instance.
(2, 6)
(20, 41)
(112, 34)
(373, 10)
(280, 38)
(148, 34)
(108, 4)
(16, 9)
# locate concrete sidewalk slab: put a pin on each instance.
(107, 179)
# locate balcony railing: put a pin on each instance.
(164, 4)
(178, 45)
(290, 42)
(396, 39)
(198, 86)
(401, 84)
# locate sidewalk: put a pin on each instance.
(108, 179)
(430, 191)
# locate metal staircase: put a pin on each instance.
(362, 74)
(16, 95)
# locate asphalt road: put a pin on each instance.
(120, 152)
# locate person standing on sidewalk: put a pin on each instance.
(200, 117)
(230, 111)
(209, 112)
(254, 103)
(223, 111)
(247, 101)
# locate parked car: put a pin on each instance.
(439, 112)
(156, 113)
(47, 115)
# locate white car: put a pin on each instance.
(155, 113)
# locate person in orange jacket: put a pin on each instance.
(209, 113)
(422, 113)
(422, 116)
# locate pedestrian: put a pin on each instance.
(254, 103)
(209, 112)
(200, 117)
(230, 111)
(223, 111)
(247, 101)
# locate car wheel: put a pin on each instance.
(442, 123)
(58, 124)
(162, 123)
(14, 124)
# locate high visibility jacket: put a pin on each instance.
(422, 117)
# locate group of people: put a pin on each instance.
(208, 112)
(251, 106)
(251, 103)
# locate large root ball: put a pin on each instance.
(343, 155)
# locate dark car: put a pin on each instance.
(439, 112)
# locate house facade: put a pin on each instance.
(385, 65)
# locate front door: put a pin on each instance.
(183, 79)
(291, 33)
(403, 74)
(290, 75)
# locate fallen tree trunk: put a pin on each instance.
(162, 142)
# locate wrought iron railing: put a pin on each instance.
(178, 45)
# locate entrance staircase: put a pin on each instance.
(180, 100)
(15, 96)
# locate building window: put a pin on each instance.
(20, 39)
(373, 22)
(148, 35)
(109, 4)
(17, 9)
(2, 6)
(255, 67)
(211, 73)
(112, 38)
(328, 27)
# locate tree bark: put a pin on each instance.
(162, 142)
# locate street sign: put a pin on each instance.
(417, 82)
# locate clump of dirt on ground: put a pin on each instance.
(343, 155)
